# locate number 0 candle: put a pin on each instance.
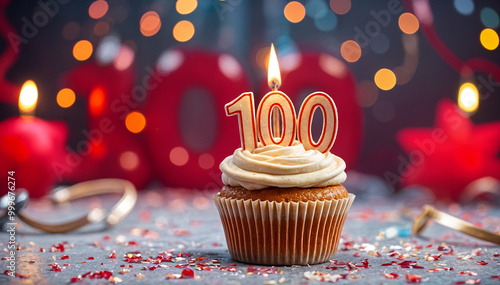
(266, 125)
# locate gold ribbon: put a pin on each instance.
(429, 212)
(86, 189)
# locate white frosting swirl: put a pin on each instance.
(283, 167)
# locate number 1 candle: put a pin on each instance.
(252, 126)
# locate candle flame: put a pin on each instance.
(273, 70)
(28, 98)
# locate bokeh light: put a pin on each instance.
(101, 28)
(316, 8)
(327, 22)
(385, 79)
(262, 57)
(340, 6)
(129, 160)
(489, 18)
(183, 31)
(185, 7)
(489, 39)
(294, 12)
(98, 9)
(206, 161)
(97, 99)
(332, 66)
(367, 93)
(124, 58)
(71, 31)
(65, 98)
(350, 51)
(179, 156)
(169, 61)
(150, 24)
(464, 7)
(230, 67)
(468, 97)
(135, 122)
(82, 50)
(408, 23)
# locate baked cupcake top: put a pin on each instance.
(283, 167)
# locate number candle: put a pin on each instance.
(243, 107)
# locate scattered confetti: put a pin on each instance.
(469, 281)
(413, 278)
(390, 275)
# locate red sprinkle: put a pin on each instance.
(468, 281)
(389, 264)
(482, 262)
(132, 243)
(90, 258)
(495, 277)
(64, 257)
(112, 255)
(55, 267)
(390, 275)
(440, 269)
(8, 272)
(470, 273)
(413, 278)
(187, 273)
(445, 248)
(410, 264)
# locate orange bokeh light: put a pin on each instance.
(135, 122)
(150, 24)
(350, 51)
(82, 50)
(294, 12)
(98, 9)
(185, 7)
(385, 79)
(408, 23)
(183, 31)
(66, 98)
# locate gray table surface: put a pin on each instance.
(187, 223)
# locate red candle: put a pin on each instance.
(31, 146)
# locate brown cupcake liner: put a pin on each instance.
(282, 233)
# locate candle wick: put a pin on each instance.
(275, 85)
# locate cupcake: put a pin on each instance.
(283, 205)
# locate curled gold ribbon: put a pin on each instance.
(429, 212)
(86, 189)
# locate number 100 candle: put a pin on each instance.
(283, 201)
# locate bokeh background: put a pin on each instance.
(405, 57)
